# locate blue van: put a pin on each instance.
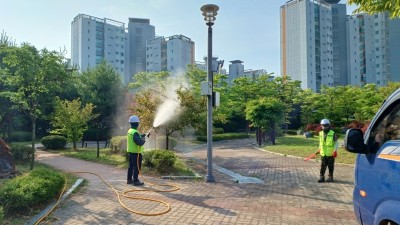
(376, 195)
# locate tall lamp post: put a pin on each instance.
(209, 13)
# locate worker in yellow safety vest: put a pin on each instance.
(135, 142)
(328, 146)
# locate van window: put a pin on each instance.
(386, 129)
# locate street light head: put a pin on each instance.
(209, 13)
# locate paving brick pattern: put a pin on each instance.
(289, 194)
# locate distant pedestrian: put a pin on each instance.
(135, 142)
(328, 145)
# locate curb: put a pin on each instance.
(36, 218)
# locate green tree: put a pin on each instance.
(287, 90)
(102, 86)
(368, 102)
(32, 75)
(155, 89)
(242, 91)
(71, 118)
(266, 113)
(190, 107)
(345, 102)
(374, 6)
(7, 111)
(308, 99)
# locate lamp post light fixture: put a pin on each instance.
(209, 13)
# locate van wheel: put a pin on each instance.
(391, 223)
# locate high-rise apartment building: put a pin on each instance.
(171, 54)
(253, 74)
(374, 49)
(236, 69)
(339, 44)
(94, 40)
(139, 31)
(312, 43)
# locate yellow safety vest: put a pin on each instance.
(131, 145)
(327, 146)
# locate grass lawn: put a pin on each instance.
(298, 145)
(90, 154)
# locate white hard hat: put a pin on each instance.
(134, 119)
(325, 122)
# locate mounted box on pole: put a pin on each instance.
(206, 88)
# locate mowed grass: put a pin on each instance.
(90, 154)
(298, 145)
(180, 167)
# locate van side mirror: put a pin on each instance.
(354, 141)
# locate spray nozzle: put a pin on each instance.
(148, 133)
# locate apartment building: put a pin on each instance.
(312, 43)
(374, 49)
(96, 39)
(171, 54)
(139, 32)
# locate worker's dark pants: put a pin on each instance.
(327, 161)
(133, 166)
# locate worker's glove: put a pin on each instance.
(334, 154)
(317, 151)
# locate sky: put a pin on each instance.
(246, 30)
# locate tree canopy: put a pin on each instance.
(375, 6)
(71, 119)
(30, 76)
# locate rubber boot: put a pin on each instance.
(321, 179)
(330, 179)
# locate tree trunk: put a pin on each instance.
(98, 145)
(33, 142)
(9, 126)
(259, 136)
(272, 134)
(167, 140)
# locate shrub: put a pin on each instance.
(218, 130)
(21, 152)
(118, 145)
(291, 132)
(226, 136)
(313, 127)
(18, 136)
(162, 142)
(23, 192)
(162, 160)
(1, 215)
(54, 142)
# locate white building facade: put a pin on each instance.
(172, 54)
(307, 43)
(94, 40)
(374, 49)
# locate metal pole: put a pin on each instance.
(209, 176)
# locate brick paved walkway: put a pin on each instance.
(289, 194)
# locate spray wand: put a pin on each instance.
(148, 132)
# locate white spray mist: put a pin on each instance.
(170, 108)
(166, 111)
